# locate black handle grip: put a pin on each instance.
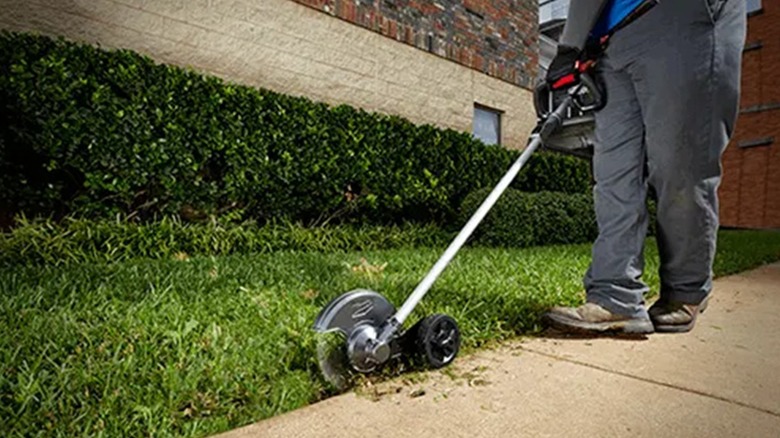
(591, 97)
(587, 96)
(542, 100)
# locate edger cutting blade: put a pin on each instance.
(345, 316)
(332, 359)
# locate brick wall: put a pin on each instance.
(290, 48)
(750, 192)
(496, 37)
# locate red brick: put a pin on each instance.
(751, 79)
(772, 214)
(750, 191)
(753, 189)
(729, 188)
(462, 28)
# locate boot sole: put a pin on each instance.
(629, 326)
(682, 328)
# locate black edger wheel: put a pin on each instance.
(438, 340)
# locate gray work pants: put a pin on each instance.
(672, 83)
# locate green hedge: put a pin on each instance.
(522, 219)
(526, 219)
(95, 133)
(77, 240)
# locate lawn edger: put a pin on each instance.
(369, 326)
(369, 330)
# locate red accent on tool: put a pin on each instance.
(564, 81)
(582, 67)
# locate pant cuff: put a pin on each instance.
(617, 307)
(690, 297)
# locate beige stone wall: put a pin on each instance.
(284, 46)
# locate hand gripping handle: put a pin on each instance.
(587, 95)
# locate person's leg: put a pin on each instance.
(614, 289)
(613, 280)
(688, 88)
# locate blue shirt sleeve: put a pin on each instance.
(614, 12)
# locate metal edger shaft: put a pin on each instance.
(551, 124)
(466, 232)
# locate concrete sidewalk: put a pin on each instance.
(722, 379)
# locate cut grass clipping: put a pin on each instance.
(197, 346)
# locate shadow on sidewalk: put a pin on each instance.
(552, 333)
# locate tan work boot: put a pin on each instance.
(674, 316)
(592, 318)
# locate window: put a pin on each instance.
(552, 10)
(753, 6)
(487, 124)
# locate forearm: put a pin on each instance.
(582, 16)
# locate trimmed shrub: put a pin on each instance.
(78, 240)
(522, 219)
(652, 209)
(97, 133)
(554, 172)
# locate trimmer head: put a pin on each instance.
(358, 331)
(349, 327)
(353, 309)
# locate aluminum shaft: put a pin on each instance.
(466, 232)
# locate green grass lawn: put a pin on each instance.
(197, 346)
